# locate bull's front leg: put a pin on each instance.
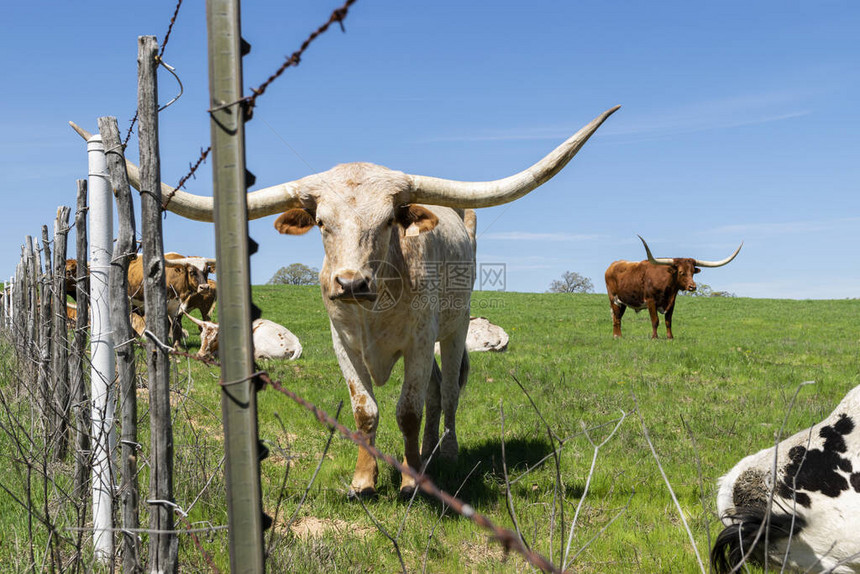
(655, 319)
(366, 414)
(668, 320)
(417, 370)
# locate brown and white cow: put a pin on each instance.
(71, 279)
(184, 277)
(271, 340)
(652, 284)
(796, 505)
(388, 236)
(203, 301)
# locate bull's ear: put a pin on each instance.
(295, 222)
(696, 270)
(416, 219)
(210, 268)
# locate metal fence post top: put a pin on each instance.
(94, 143)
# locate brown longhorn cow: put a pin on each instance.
(71, 280)
(652, 284)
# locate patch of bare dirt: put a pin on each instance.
(309, 527)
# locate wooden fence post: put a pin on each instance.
(125, 250)
(80, 396)
(163, 547)
(32, 336)
(60, 346)
(19, 313)
(45, 321)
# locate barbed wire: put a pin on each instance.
(508, 538)
(169, 28)
(250, 101)
(193, 168)
(160, 54)
(337, 16)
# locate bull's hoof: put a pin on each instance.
(363, 494)
(407, 492)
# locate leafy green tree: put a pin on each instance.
(572, 282)
(705, 290)
(295, 274)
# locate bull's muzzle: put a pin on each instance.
(691, 287)
(352, 287)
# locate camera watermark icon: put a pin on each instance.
(492, 277)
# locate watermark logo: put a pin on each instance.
(442, 285)
(492, 277)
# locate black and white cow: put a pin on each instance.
(814, 519)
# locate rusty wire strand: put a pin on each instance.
(160, 54)
(294, 60)
(169, 28)
(337, 16)
(203, 154)
(508, 538)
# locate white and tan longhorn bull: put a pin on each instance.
(388, 236)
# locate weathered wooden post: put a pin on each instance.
(80, 400)
(32, 336)
(60, 345)
(238, 399)
(45, 321)
(124, 337)
(101, 349)
(19, 313)
(163, 545)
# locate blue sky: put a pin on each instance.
(739, 121)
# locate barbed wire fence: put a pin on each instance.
(35, 422)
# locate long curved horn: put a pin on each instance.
(702, 263)
(194, 320)
(472, 194)
(652, 259)
(263, 202)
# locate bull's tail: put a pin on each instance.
(746, 535)
(464, 369)
(470, 219)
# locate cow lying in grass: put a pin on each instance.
(483, 336)
(812, 522)
(271, 340)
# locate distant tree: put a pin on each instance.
(705, 290)
(572, 282)
(295, 274)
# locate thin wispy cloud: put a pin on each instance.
(785, 227)
(531, 236)
(726, 113)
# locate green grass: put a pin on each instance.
(718, 392)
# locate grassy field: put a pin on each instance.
(719, 391)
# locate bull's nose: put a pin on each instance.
(691, 288)
(352, 285)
